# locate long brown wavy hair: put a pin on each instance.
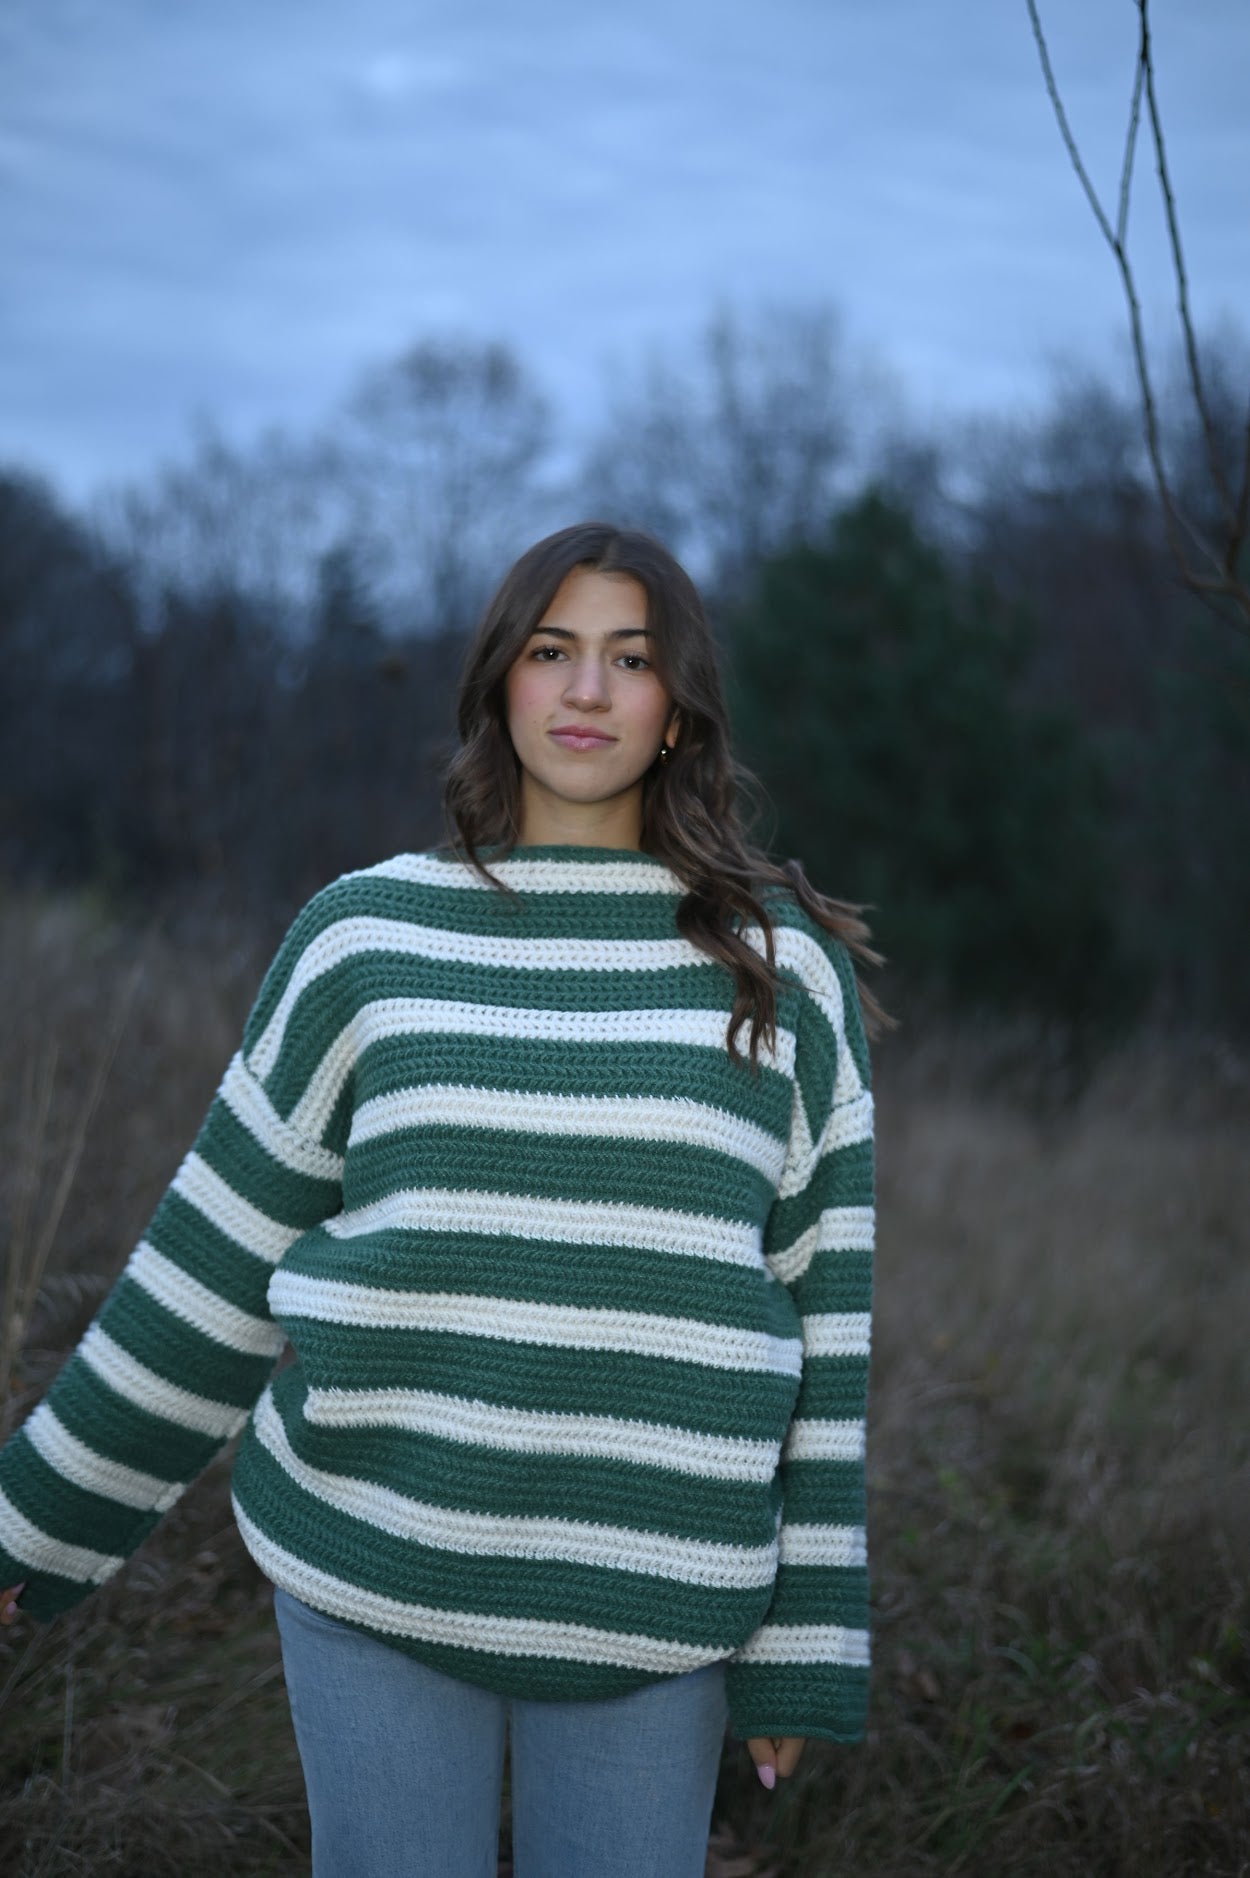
(691, 815)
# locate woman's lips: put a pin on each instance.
(572, 741)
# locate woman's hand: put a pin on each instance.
(8, 1602)
(775, 1754)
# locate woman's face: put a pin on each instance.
(587, 666)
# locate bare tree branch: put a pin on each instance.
(1174, 520)
(1225, 581)
(1146, 65)
(1130, 152)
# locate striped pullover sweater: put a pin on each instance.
(578, 1306)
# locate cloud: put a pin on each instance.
(237, 209)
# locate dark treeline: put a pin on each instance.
(975, 691)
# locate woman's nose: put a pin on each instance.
(587, 684)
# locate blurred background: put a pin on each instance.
(312, 320)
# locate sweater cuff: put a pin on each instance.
(815, 1701)
(47, 1594)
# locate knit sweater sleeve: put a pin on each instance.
(805, 1671)
(182, 1346)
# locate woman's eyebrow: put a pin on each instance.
(620, 632)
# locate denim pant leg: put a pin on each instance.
(403, 1765)
(621, 1788)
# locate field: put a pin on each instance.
(1059, 1520)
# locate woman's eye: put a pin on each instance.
(637, 661)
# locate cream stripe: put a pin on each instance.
(679, 1339)
(848, 1085)
(187, 1298)
(399, 1017)
(472, 1630)
(837, 1333)
(143, 1387)
(532, 876)
(537, 1431)
(563, 1222)
(816, 969)
(838, 1229)
(282, 1140)
(352, 936)
(810, 1439)
(38, 1549)
(847, 1124)
(681, 1121)
(208, 1193)
(85, 1468)
(490, 1535)
(823, 1545)
(809, 1644)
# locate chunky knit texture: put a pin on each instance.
(578, 1306)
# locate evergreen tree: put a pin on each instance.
(881, 701)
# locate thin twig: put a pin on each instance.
(1223, 582)
(1182, 280)
(1172, 515)
(1130, 152)
(1065, 129)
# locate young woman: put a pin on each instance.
(577, 1289)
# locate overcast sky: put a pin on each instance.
(231, 209)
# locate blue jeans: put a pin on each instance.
(404, 1766)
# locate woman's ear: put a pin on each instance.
(674, 729)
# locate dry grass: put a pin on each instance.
(1059, 1521)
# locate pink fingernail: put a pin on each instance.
(768, 1775)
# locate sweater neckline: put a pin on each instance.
(576, 865)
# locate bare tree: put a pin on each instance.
(228, 521)
(736, 451)
(1209, 550)
(441, 449)
(427, 470)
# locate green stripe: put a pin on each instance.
(833, 1387)
(837, 1281)
(546, 1590)
(591, 1277)
(853, 1018)
(750, 1404)
(582, 913)
(257, 1176)
(327, 1004)
(182, 1234)
(313, 918)
(479, 908)
(175, 1350)
(590, 1168)
(121, 1431)
(66, 1511)
(506, 1481)
(568, 1068)
(821, 1594)
(841, 1178)
(823, 1492)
